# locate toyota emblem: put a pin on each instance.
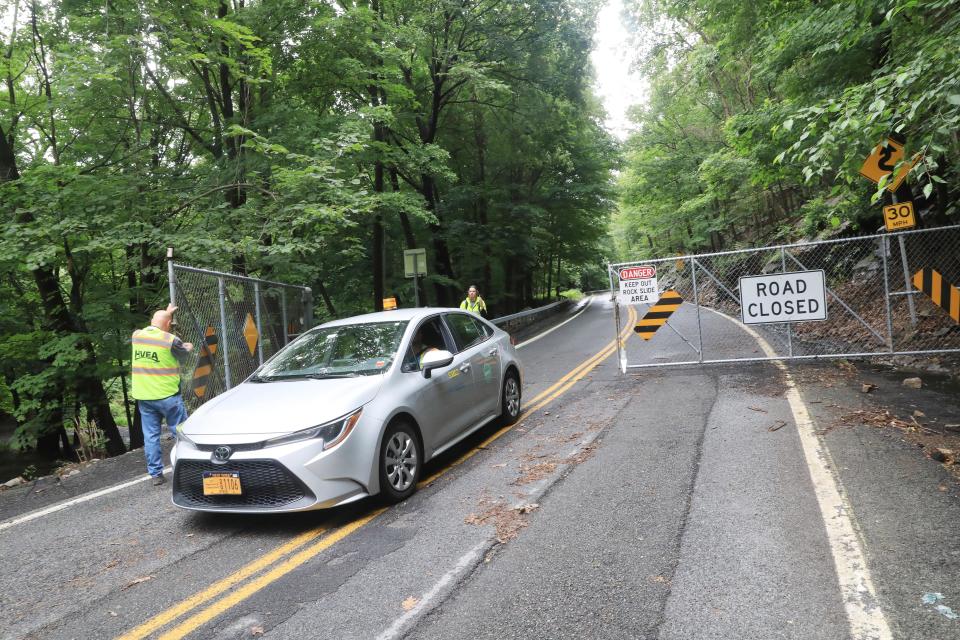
(222, 453)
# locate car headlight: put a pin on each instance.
(332, 433)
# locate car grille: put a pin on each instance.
(266, 484)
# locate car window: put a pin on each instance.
(344, 350)
(465, 330)
(487, 329)
(427, 337)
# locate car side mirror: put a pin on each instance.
(436, 359)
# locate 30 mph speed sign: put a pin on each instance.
(638, 284)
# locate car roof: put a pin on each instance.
(391, 316)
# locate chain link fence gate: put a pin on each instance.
(234, 322)
(874, 307)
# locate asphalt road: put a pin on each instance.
(665, 503)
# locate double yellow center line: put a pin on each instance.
(286, 557)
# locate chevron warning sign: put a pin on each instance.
(657, 316)
(208, 348)
(944, 295)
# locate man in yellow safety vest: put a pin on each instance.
(156, 384)
(474, 303)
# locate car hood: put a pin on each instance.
(266, 409)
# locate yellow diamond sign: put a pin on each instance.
(250, 333)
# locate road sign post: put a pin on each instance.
(414, 266)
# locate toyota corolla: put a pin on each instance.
(350, 409)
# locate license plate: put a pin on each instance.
(221, 484)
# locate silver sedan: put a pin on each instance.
(350, 409)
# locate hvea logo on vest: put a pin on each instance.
(146, 355)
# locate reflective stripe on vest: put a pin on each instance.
(156, 373)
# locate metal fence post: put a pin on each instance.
(307, 308)
(171, 277)
(222, 294)
(283, 315)
(783, 269)
(696, 301)
(256, 307)
(621, 356)
(885, 250)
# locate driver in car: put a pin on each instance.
(420, 347)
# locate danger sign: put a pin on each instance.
(799, 296)
(638, 285)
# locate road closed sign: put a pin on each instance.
(638, 284)
(800, 296)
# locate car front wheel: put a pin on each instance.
(400, 462)
(510, 400)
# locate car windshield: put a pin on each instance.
(337, 352)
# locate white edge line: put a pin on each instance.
(60, 506)
(552, 329)
(467, 560)
(108, 490)
(864, 614)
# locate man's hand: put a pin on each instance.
(188, 346)
(171, 308)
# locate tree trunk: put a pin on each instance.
(441, 253)
(136, 429)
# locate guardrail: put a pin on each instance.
(516, 321)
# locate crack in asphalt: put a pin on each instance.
(682, 529)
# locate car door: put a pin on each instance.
(442, 402)
(481, 353)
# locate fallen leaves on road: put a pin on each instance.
(506, 521)
(410, 603)
(534, 472)
(138, 581)
(256, 631)
(876, 418)
(779, 424)
(757, 409)
(940, 446)
(866, 387)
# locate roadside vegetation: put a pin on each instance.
(307, 141)
(762, 113)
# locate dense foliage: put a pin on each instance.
(762, 113)
(308, 141)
